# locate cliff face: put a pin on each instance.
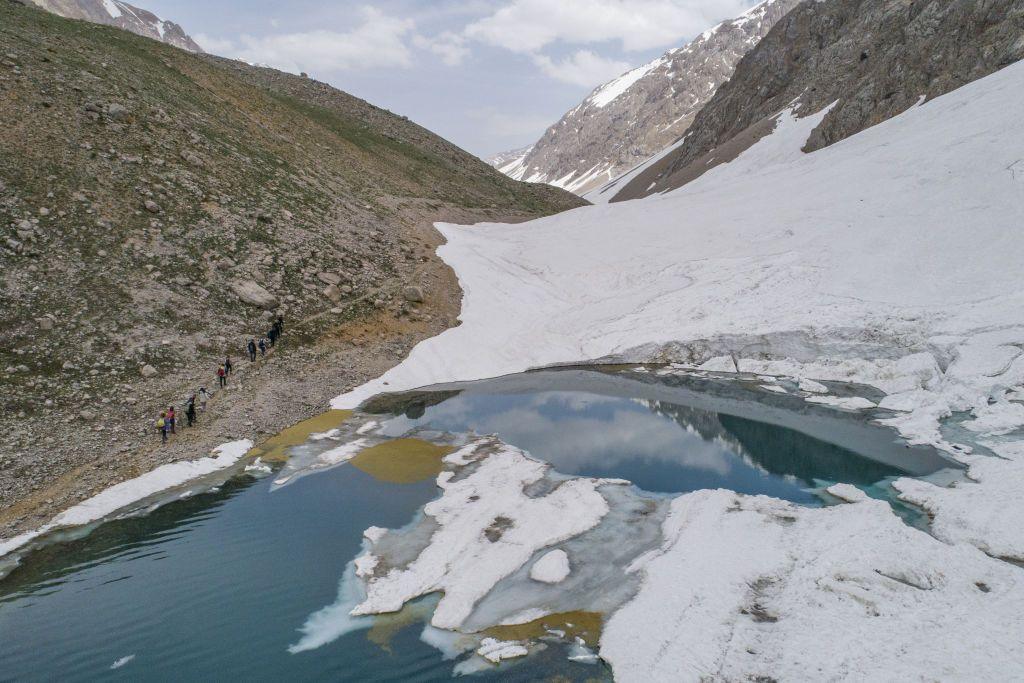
(872, 58)
(630, 118)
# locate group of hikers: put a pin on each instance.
(166, 423)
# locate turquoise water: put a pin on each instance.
(215, 586)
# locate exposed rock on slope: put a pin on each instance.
(153, 202)
(630, 118)
(873, 58)
(124, 16)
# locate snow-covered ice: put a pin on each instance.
(552, 567)
(487, 527)
(132, 491)
(748, 587)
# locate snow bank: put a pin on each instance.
(132, 491)
(749, 587)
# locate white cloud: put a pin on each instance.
(528, 26)
(583, 67)
(450, 47)
(379, 41)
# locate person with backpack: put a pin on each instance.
(222, 377)
(263, 347)
(227, 365)
(190, 410)
(170, 418)
(161, 426)
(251, 347)
(204, 396)
(280, 323)
(272, 336)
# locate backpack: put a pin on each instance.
(160, 423)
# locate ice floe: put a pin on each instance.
(552, 567)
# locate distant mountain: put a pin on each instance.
(869, 59)
(500, 161)
(626, 120)
(122, 15)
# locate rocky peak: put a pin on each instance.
(122, 15)
(624, 121)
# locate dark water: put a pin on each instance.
(215, 586)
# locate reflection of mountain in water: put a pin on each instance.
(778, 450)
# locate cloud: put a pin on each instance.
(379, 41)
(528, 26)
(450, 47)
(584, 67)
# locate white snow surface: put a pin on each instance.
(611, 90)
(892, 258)
(552, 567)
(753, 586)
(126, 493)
(488, 528)
(112, 9)
(494, 650)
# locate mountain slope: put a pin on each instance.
(874, 58)
(156, 205)
(122, 15)
(631, 117)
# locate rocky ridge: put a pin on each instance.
(124, 16)
(872, 58)
(626, 120)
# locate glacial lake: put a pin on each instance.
(218, 583)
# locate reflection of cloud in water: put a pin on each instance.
(575, 430)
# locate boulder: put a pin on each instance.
(118, 112)
(413, 294)
(152, 206)
(333, 293)
(328, 278)
(147, 370)
(46, 324)
(252, 293)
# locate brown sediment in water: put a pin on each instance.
(275, 449)
(385, 626)
(402, 461)
(586, 625)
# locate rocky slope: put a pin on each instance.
(124, 16)
(630, 118)
(156, 206)
(872, 58)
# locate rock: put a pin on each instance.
(328, 278)
(44, 211)
(87, 415)
(147, 370)
(46, 323)
(118, 112)
(152, 206)
(252, 293)
(413, 294)
(333, 293)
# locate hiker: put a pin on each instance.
(280, 323)
(277, 327)
(263, 347)
(272, 335)
(222, 377)
(227, 365)
(190, 410)
(161, 426)
(170, 418)
(251, 347)
(204, 396)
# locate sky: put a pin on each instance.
(489, 75)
